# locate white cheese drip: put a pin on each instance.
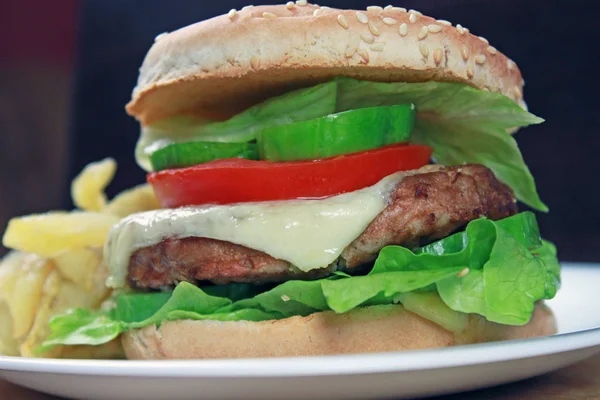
(309, 234)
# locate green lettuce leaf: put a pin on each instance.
(462, 124)
(78, 327)
(509, 269)
(295, 106)
(519, 269)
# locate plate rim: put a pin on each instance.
(350, 364)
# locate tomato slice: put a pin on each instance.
(239, 180)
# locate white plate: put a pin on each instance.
(403, 374)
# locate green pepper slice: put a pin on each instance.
(335, 134)
(187, 154)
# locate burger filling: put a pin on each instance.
(279, 241)
(323, 199)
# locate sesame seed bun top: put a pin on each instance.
(218, 67)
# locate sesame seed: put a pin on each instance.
(285, 297)
(290, 5)
(362, 17)
(413, 18)
(399, 9)
(301, 3)
(342, 21)
(424, 50)
(375, 9)
(363, 54)
(232, 14)
(480, 59)
(269, 15)
(367, 37)
(510, 64)
(423, 32)
(466, 30)
(160, 36)
(248, 7)
(438, 55)
(389, 21)
(470, 71)
(388, 7)
(492, 50)
(415, 12)
(403, 30)
(518, 93)
(352, 45)
(317, 12)
(465, 51)
(484, 40)
(373, 29)
(462, 273)
(378, 46)
(444, 22)
(434, 28)
(255, 62)
(460, 29)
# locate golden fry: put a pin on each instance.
(8, 344)
(59, 296)
(87, 189)
(74, 296)
(79, 265)
(137, 199)
(40, 329)
(52, 233)
(58, 264)
(22, 279)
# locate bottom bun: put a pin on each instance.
(363, 330)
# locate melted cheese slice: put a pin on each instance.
(309, 234)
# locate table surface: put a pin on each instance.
(578, 382)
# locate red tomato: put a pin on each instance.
(238, 180)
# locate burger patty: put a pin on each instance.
(429, 204)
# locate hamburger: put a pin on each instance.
(331, 181)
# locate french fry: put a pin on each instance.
(59, 296)
(87, 189)
(52, 233)
(137, 199)
(40, 329)
(8, 344)
(58, 264)
(79, 265)
(22, 279)
(73, 296)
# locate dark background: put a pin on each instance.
(104, 41)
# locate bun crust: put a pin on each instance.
(364, 330)
(218, 67)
